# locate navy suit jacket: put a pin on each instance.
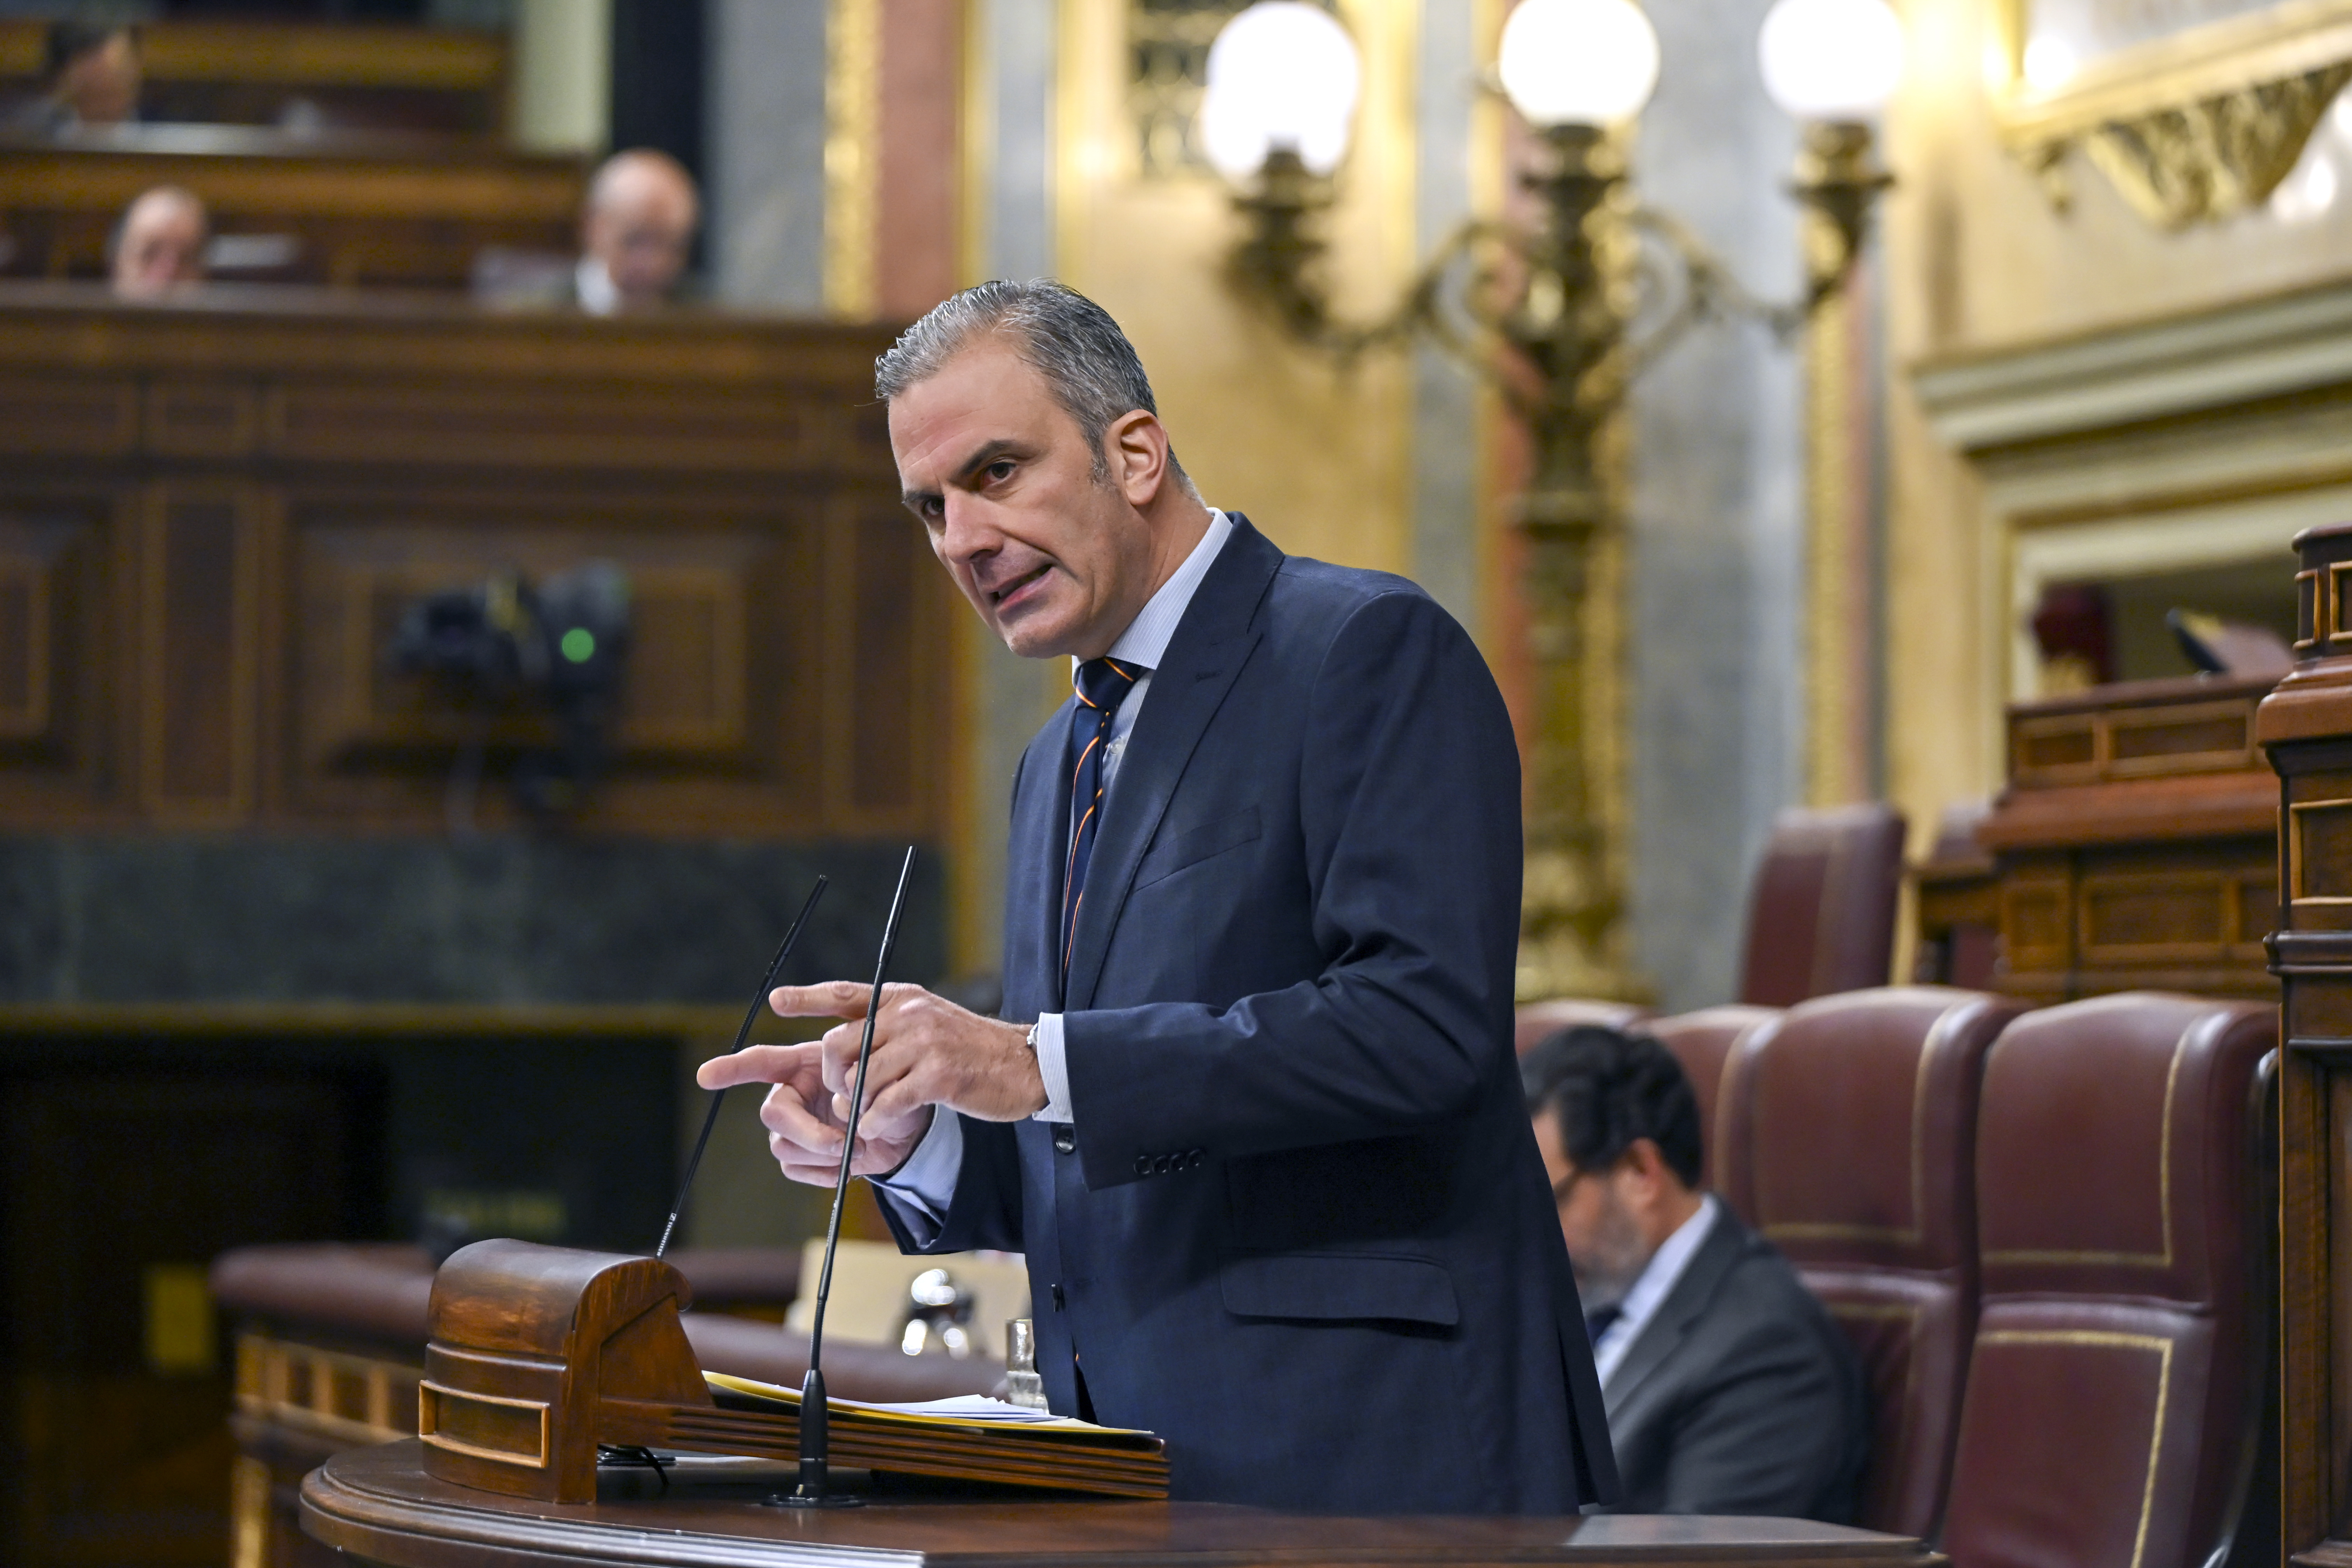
(1303, 1233)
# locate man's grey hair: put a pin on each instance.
(1089, 364)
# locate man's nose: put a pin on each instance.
(965, 533)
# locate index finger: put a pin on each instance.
(757, 1064)
(832, 999)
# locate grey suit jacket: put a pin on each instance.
(1740, 1395)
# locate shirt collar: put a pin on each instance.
(1145, 641)
(1657, 1281)
(593, 285)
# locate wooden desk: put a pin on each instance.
(377, 1505)
(216, 509)
(2307, 727)
(2135, 845)
(247, 73)
(366, 207)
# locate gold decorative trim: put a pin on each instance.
(975, 215)
(852, 122)
(429, 1396)
(248, 1513)
(2337, 632)
(2192, 127)
(269, 1372)
(2295, 816)
(2106, 1340)
(1840, 732)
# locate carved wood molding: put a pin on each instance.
(2193, 127)
(2216, 157)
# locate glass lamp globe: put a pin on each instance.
(1283, 74)
(1831, 59)
(1578, 62)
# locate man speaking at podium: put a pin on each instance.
(1257, 1123)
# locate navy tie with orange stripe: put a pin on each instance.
(1103, 684)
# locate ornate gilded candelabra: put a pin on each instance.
(1547, 311)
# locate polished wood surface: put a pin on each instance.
(2134, 846)
(539, 1356)
(247, 73)
(379, 1506)
(213, 513)
(2307, 725)
(362, 207)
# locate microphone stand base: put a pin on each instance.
(821, 1500)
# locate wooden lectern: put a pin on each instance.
(538, 1356)
(2307, 727)
(540, 1353)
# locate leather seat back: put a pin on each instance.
(2113, 1385)
(1705, 1042)
(1849, 1132)
(1539, 1021)
(1820, 912)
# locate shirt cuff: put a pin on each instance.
(1053, 1066)
(927, 1181)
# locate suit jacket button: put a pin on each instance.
(1192, 1161)
(1066, 1138)
(1165, 1164)
(1143, 1164)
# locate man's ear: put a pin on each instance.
(1136, 446)
(1647, 1160)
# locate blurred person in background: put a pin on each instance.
(91, 76)
(636, 231)
(1729, 1388)
(159, 246)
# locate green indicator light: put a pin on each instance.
(580, 645)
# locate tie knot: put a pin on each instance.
(1103, 683)
(1598, 1321)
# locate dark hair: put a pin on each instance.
(1609, 1088)
(1091, 369)
(68, 41)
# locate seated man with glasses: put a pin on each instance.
(1730, 1391)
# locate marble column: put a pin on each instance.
(765, 141)
(1716, 704)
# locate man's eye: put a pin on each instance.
(1001, 469)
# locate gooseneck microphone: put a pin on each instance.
(815, 1438)
(719, 1095)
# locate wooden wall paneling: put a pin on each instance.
(326, 461)
(118, 1450)
(200, 653)
(58, 678)
(642, 426)
(426, 78)
(885, 638)
(727, 620)
(362, 211)
(189, 418)
(67, 415)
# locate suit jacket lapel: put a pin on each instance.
(1212, 641)
(1683, 1304)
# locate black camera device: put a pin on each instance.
(559, 646)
